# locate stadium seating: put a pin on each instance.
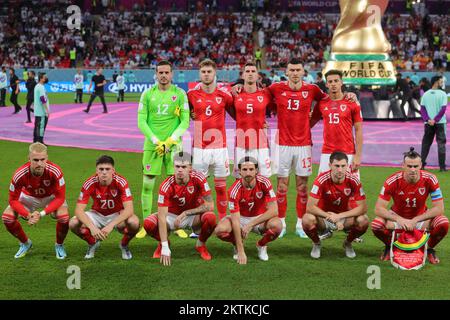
(38, 37)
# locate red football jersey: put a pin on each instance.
(107, 199)
(180, 198)
(50, 183)
(339, 117)
(293, 109)
(410, 199)
(335, 197)
(250, 119)
(253, 202)
(209, 110)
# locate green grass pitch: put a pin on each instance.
(290, 273)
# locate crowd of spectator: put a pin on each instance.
(37, 36)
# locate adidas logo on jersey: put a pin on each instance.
(284, 94)
(401, 193)
(199, 100)
(328, 192)
(326, 109)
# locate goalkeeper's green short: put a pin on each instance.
(152, 163)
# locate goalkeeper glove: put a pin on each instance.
(177, 111)
(169, 143)
(160, 148)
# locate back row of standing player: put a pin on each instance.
(163, 118)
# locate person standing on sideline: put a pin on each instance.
(14, 84)
(31, 83)
(258, 58)
(432, 108)
(79, 82)
(99, 82)
(3, 85)
(41, 108)
(120, 82)
(406, 95)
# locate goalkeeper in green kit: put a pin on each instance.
(163, 117)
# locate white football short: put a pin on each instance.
(33, 204)
(258, 229)
(261, 155)
(298, 158)
(215, 160)
(187, 223)
(99, 220)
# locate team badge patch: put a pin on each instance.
(46, 183)
(305, 94)
(260, 99)
(422, 191)
(190, 189)
(148, 167)
(347, 191)
(259, 194)
(219, 100)
(343, 107)
(174, 98)
(114, 192)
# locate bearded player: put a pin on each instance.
(184, 202)
(409, 190)
(38, 184)
(253, 208)
(329, 208)
(208, 104)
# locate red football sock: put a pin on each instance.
(439, 229)
(312, 234)
(62, 227)
(208, 220)
(302, 199)
(14, 227)
(220, 185)
(227, 236)
(282, 204)
(355, 232)
(151, 226)
(87, 236)
(380, 231)
(268, 237)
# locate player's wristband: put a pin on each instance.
(42, 213)
(155, 140)
(165, 245)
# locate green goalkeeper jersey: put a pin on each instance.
(157, 118)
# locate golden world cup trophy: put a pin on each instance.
(359, 47)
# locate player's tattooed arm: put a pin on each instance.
(208, 205)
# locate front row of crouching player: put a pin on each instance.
(337, 202)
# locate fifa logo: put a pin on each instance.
(74, 20)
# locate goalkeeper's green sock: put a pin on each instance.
(147, 195)
(147, 202)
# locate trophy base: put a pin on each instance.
(363, 69)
